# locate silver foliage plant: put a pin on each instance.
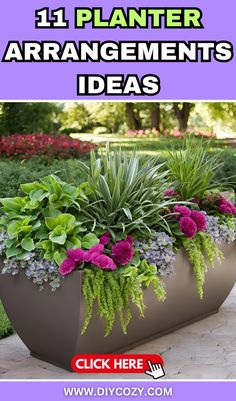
(158, 252)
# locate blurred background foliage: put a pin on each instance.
(114, 117)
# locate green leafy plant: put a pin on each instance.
(192, 169)
(199, 248)
(41, 220)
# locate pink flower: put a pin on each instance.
(188, 227)
(87, 256)
(77, 255)
(122, 252)
(234, 211)
(130, 239)
(105, 238)
(99, 248)
(225, 206)
(67, 267)
(181, 211)
(200, 219)
(103, 261)
(170, 193)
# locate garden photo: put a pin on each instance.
(117, 235)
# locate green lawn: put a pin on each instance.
(143, 146)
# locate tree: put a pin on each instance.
(29, 118)
(182, 113)
(110, 115)
(155, 116)
(75, 118)
(224, 113)
(132, 115)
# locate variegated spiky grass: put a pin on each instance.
(124, 192)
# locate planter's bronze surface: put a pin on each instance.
(50, 323)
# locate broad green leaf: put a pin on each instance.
(29, 187)
(59, 257)
(89, 240)
(13, 251)
(65, 219)
(13, 203)
(38, 195)
(28, 244)
(76, 242)
(58, 236)
(14, 229)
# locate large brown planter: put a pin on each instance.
(50, 323)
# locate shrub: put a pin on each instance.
(15, 172)
(5, 325)
(19, 146)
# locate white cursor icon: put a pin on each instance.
(156, 370)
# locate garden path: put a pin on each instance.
(203, 350)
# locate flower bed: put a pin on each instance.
(176, 133)
(26, 146)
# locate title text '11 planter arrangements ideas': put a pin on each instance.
(123, 257)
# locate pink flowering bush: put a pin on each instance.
(143, 133)
(26, 146)
(216, 203)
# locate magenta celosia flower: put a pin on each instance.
(188, 227)
(67, 267)
(103, 261)
(122, 252)
(99, 248)
(225, 206)
(181, 211)
(170, 193)
(87, 256)
(200, 219)
(234, 211)
(130, 239)
(75, 254)
(105, 238)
